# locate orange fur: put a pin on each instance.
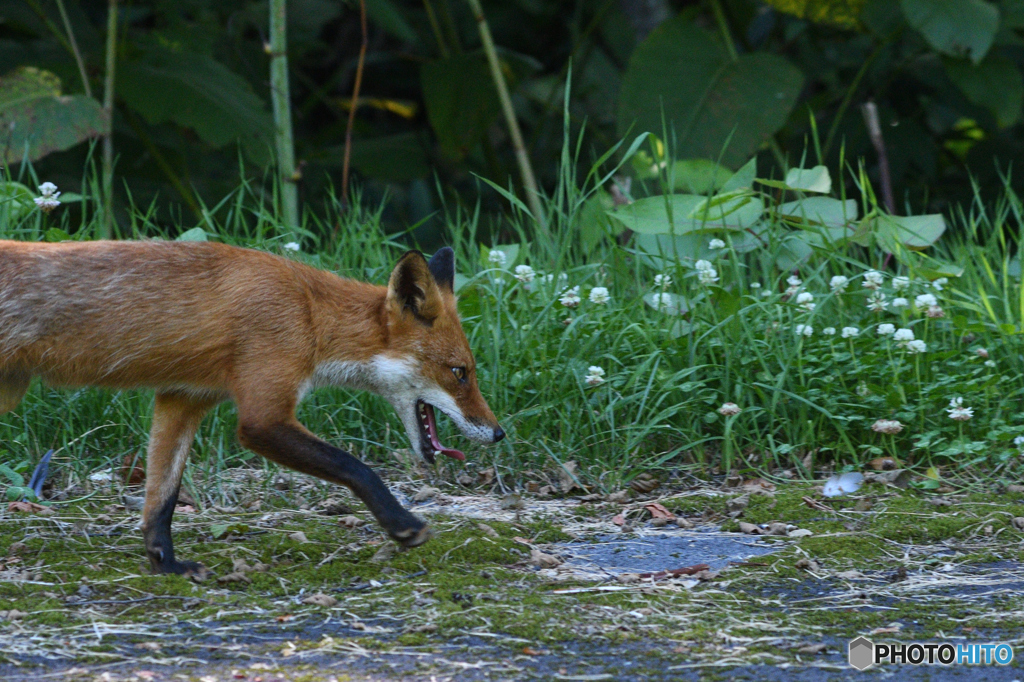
(202, 322)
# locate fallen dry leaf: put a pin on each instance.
(811, 649)
(658, 511)
(529, 651)
(13, 614)
(758, 486)
(386, 553)
(350, 521)
(628, 578)
(298, 536)
(320, 599)
(1018, 522)
(799, 533)
(425, 493)
(30, 508)
(567, 476)
(234, 577)
(750, 528)
(543, 560)
(620, 497)
(645, 483)
(619, 520)
(807, 564)
(777, 528)
(490, 532)
(485, 476)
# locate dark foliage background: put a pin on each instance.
(719, 80)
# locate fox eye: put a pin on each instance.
(459, 372)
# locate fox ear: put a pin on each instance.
(412, 287)
(442, 267)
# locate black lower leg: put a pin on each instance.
(160, 547)
(296, 449)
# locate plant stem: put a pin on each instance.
(850, 92)
(723, 26)
(281, 98)
(352, 109)
(108, 111)
(74, 48)
(525, 169)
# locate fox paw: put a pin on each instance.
(193, 570)
(412, 537)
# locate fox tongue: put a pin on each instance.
(434, 442)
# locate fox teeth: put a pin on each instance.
(437, 452)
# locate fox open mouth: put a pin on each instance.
(430, 446)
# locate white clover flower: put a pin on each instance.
(1019, 441)
(900, 302)
(839, 283)
(794, 281)
(889, 426)
(563, 279)
(804, 297)
(703, 265)
(662, 281)
(729, 409)
(981, 352)
(829, 331)
(803, 330)
(599, 295)
(900, 283)
(903, 335)
(990, 363)
(595, 376)
(570, 298)
(957, 410)
(525, 274)
(766, 293)
(291, 246)
(925, 300)
(48, 199)
(708, 276)
(862, 389)
(939, 283)
(661, 300)
(877, 302)
(873, 279)
(935, 311)
(716, 244)
(850, 332)
(916, 346)
(886, 329)
(755, 285)
(497, 257)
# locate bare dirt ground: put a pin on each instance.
(749, 582)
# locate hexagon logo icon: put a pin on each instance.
(862, 653)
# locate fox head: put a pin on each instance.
(433, 366)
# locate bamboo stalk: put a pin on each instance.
(525, 169)
(108, 111)
(281, 98)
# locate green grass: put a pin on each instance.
(665, 375)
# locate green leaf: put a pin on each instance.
(959, 28)
(16, 201)
(714, 107)
(398, 158)
(194, 91)
(196, 234)
(815, 179)
(699, 176)
(662, 251)
(37, 119)
(794, 251)
(511, 252)
(461, 101)
(743, 178)
(220, 531)
(994, 84)
(690, 213)
(55, 234)
(913, 232)
(822, 210)
(12, 476)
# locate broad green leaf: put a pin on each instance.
(55, 234)
(794, 251)
(913, 232)
(399, 158)
(593, 221)
(193, 90)
(690, 213)
(815, 179)
(959, 28)
(698, 176)
(662, 252)
(196, 234)
(714, 107)
(37, 119)
(16, 201)
(743, 178)
(461, 101)
(1012, 13)
(822, 210)
(994, 84)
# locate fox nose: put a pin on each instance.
(498, 434)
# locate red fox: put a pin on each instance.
(201, 323)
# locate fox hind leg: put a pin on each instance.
(176, 418)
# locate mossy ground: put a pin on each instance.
(926, 571)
